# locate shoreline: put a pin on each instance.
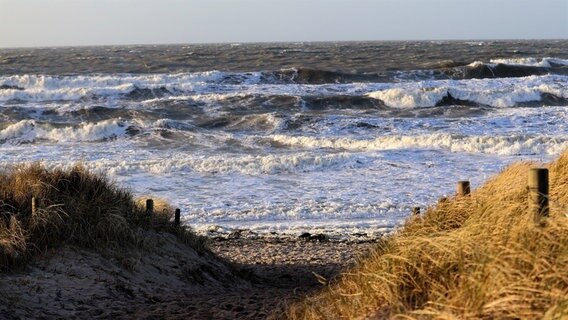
(246, 234)
(225, 234)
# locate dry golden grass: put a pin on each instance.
(161, 206)
(476, 257)
(75, 208)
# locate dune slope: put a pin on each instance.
(475, 257)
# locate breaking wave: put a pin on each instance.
(489, 92)
(500, 145)
(249, 165)
(28, 131)
(509, 68)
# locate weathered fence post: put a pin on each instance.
(416, 211)
(35, 205)
(150, 207)
(463, 188)
(177, 218)
(538, 192)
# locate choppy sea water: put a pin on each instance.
(339, 138)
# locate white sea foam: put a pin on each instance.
(247, 164)
(410, 97)
(499, 145)
(47, 82)
(429, 97)
(499, 97)
(29, 131)
(490, 92)
(204, 88)
(22, 130)
(477, 64)
(532, 62)
(557, 89)
(50, 88)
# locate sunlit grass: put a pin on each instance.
(475, 257)
(75, 207)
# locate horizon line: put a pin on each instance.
(277, 42)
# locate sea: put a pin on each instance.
(335, 138)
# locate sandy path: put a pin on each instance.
(172, 282)
(279, 271)
(285, 269)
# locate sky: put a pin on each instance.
(40, 23)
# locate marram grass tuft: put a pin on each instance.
(475, 257)
(74, 207)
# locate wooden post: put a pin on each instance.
(416, 211)
(150, 207)
(177, 218)
(35, 205)
(538, 192)
(463, 188)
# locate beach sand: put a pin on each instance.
(283, 270)
(170, 280)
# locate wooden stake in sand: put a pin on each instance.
(538, 192)
(177, 218)
(463, 188)
(150, 207)
(35, 205)
(416, 211)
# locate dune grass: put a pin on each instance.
(476, 257)
(75, 207)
